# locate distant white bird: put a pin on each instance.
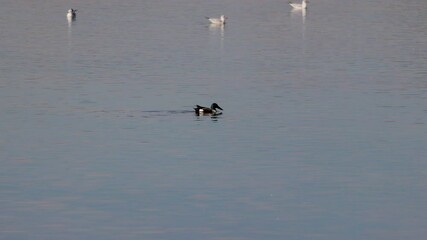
(298, 6)
(71, 14)
(217, 21)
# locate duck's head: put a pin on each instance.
(215, 106)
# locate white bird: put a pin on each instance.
(71, 14)
(298, 6)
(217, 21)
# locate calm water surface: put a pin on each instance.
(323, 135)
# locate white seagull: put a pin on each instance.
(298, 6)
(71, 14)
(217, 21)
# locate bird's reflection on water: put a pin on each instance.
(213, 117)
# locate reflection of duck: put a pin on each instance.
(200, 110)
(71, 15)
(299, 6)
(217, 21)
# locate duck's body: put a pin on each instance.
(217, 21)
(200, 110)
(299, 6)
(71, 14)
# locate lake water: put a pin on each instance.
(323, 136)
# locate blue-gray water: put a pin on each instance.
(323, 135)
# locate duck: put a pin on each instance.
(71, 14)
(200, 110)
(299, 6)
(217, 21)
